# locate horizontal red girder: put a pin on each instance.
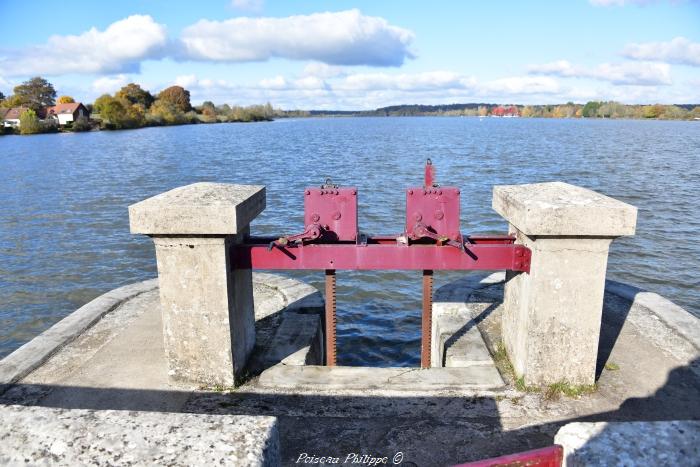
(383, 256)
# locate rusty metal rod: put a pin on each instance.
(330, 318)
(427, 319)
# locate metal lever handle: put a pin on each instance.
(312, 232)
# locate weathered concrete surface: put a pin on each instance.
(456, 340)
(654, 374)
(69, 437)
(120, 361)
(35, 352)
(561, 209)
(390, 379)
(632, 443)
(551, 319)
(198, 209)
(552, 315)
(208, 317)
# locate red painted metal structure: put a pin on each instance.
(431, 241)
(551, 456)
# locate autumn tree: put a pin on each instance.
(177, 96)
(101, 102)
(134, 94)
(652, 111)
(36, 93)
(65, 100)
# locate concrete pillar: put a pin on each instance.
(208, 316)
(551, 316)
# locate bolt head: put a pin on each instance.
(336, 215)
(439, 215)
(315, 217)
(417, 216)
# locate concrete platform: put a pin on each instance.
(63, 437)
(632, 443)
(380, 379)
(649, 370)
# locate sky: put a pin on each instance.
(360, 55)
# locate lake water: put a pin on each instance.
(64, 229)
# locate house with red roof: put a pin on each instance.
(67, 113)
(11, 117)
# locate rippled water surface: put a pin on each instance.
(64, 233)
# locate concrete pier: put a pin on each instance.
(208, 319)
(551, 319)
(647, 370)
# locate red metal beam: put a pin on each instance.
(551, 456)
(486, 256)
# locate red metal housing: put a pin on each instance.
(333, 208)
(436, 209)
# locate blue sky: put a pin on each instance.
(363, 54)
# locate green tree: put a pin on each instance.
(65, 100)
(2, 96)
(133, 93)
(590, 109)
(36, 93)
(178, 96)
(29, 123)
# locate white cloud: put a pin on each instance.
(110, 84)
(342, 38)
(679, 50)
(118, 49)
(248, 5)
(407, 82)
(635, 73)
(519, 85)
(322, 70)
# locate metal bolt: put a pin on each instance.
(354, 192)
(315, 217)
(410, 192)
(439, 192)
(439, 215)
(307, 192)
(417, 217)
(336, 215)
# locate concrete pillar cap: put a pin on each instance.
(198, 209)
(561, 209)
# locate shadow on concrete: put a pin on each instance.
(610, 328)
(427, 430)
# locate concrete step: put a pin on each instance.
(297, 341)
(395, 379)
(466, 348)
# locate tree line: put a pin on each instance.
(129, 107)
(592, 109)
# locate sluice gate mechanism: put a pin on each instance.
(431, 241)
